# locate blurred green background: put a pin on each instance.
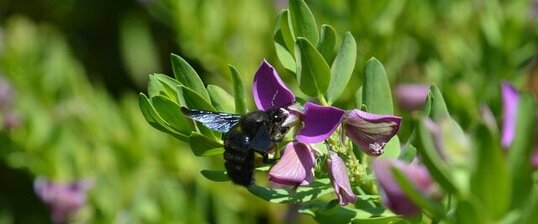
(76, 67)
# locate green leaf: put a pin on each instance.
(302, 21)
(409, 151)
(530, 214)
(521, 150)
(283, 26)
(153, 118)
(469, 212)
(327, 42)
(193, 99)
(284, 42)
(342, 68)
(286, 58)
(376, 89)
(216, 175)
(239, 97)
(204, 146)
(331, 212)
(220, 99)
(170, 86)
(434, 209)
(303, 194)
(170, 112)
(187, 76)
(490, 181)
(313, 73)
(358, 98)
(438, 106)
(162, 85)
(431, 158)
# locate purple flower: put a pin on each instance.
(411, 96)
(268, 89)
(391, 193)
(62, 199)
(510, 98)
(340, 179)
(319, 122)
(270, 92)
(295, 167)
(371, 131)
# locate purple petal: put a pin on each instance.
(510, 98)
(269, 90)
(412, 96)
(393, 196)
(296, 167)
(319, 122)
(340, 179)
(63, 199)
(371, 131)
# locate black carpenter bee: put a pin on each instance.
(257, 131)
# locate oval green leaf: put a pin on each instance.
(342, 68)
(187, 76)
(239, 91)
(204, 146)
(170, 112)
(376, 88)
(220, 99)
(153, 118)
(216, 175)
(303, 21)
(327, 42)
(313, 73)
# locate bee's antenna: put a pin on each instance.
(273, 100)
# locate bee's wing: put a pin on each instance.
(217, 121)
(261, 141)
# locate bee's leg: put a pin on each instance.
(269, 155)
(266, 158)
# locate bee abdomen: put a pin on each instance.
(240, 173)
(239, 159)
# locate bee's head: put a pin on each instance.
(278, 116)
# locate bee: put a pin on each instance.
(257, 131)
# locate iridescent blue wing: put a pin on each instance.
(217, 121)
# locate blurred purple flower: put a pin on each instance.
(340, 179)
(371, 131)
(6, 94)
(11, 120)
(62, 199)
(412, 96)
(510, 98)
(391, 193)
(270, 92)
(295, 167)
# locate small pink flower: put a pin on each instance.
(340, 179)
(371, 131)
(62, 199)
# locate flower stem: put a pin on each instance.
(322, 100)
